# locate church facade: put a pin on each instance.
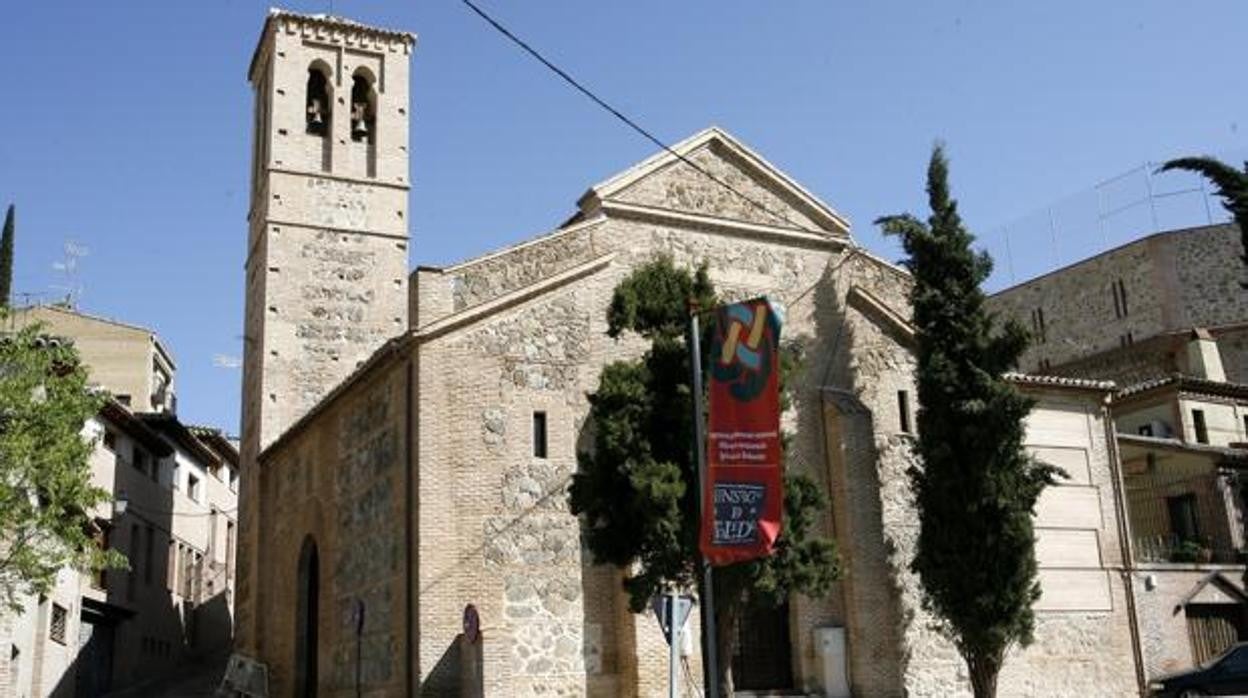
(408, 439)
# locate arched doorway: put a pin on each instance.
(307, 595)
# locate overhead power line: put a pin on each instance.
(628, 121)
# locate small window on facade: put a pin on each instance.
(123, 399)
(110, 440)
(140, 461)
(192, 487)
(1122, 297)
(56, 630)
(318, 107)
(539, 434)
(1198, 424)
(1145, 430)
(1037, 325)
(1246, 425)
(233, 480)
(903, 410)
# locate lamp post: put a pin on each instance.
(120, 504)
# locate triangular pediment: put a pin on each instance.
(1214, 588)
(756, 193)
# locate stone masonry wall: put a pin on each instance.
(1174, 281)
(481, 280)
(332, 297)
(1078, 305)
(556, 623)
(1207, 262)
(1163, 623)
(341, 483)
(868, 457)
(678, 187)
(895, 651)
(327, 242)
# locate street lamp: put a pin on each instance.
(120, 504)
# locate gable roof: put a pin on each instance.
(1185, 383)
(1220, 581)
(829, 220)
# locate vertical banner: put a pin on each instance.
(744, 499)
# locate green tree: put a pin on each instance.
(45, 477)
(976, 487)
(636, 491)
(6, 260)
(1232, 186)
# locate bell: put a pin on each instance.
(359, 128)
(314, 113)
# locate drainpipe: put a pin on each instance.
(1124, 541)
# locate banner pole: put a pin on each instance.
(673, 637)
(710, 662)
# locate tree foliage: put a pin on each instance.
(45, 476)
(6, 259)
(1232, 186)
(977, 487)
(636, 491)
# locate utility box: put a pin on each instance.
(833, 657)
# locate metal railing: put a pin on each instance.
(1113, 212)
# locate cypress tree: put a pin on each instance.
(6, 259)
(1232, 187)
(976, 487)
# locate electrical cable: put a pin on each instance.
(630, 122)
(153, 512)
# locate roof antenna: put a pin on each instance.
(68, 267)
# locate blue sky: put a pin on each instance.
(125, 127)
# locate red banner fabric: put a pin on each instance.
(742, 504)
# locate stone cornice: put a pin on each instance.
(395, 348)
(865, 300)
(725, 226)
(324, 23)
(835, 222)
(546, 237)
(455, 321)
(346, 231)
(340, 178)
(379, 358)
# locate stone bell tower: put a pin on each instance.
(327, 242)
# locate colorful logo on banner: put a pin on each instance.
(742, 504)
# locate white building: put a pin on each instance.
(178, 528)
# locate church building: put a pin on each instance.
(408, 438)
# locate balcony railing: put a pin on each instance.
(1169, 548)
